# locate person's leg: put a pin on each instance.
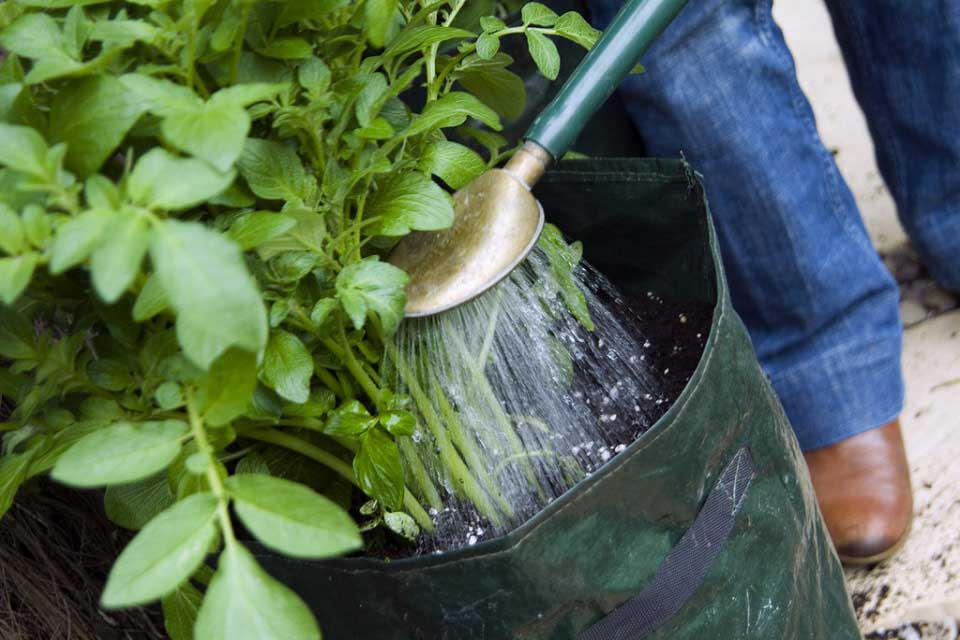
(721, 88)
(820, 307)
(904, 62)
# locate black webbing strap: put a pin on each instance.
(685, 567)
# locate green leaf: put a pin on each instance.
(108, 374)
(371, 98)
(215, 132)
(320, 312)
(487, 46)
(287, 367)
(452, 162)
(13, 237)
(62, 4)
(314, 76)
(123, 33)
(248, 93)
(378, 129)
(274, 171)
(206, 282)
(34, 35)
(163, 181)
(373, 286)
(538, 14)
(92, 116)
(287, 48)
(255, 228)
(160, 97)
(16, 335)
(17, 105)
(13, 473)
(37, 36)
(36, 224)
(101, 193)
(572, 26)
(402, 524)
(291, 518)
(133, 505)
(116, 261)
(495, 85)
(452, 110)
(378, 469)
(544, 53)
(417, 38)
(180, 610)
(409, 201)
(151, 300)
(492, 24)
(295, 11)
(77, 238)
(563, 259)
(121, 453)
(380, 20)
(164, 554)
(252, 463)
(23, 149)
(308, 234)
(169, 396)
(244, 603)
(226, 390)
(75, 30)
(15, 274)
(350, 420)
(398, 423)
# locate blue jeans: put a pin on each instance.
(822, 310)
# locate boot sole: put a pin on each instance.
(862, 561)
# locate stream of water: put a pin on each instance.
(517, 401)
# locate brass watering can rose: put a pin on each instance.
(496, 218)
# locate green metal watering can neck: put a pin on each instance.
(635, 27)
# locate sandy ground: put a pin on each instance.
(922, 584)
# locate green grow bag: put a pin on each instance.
(705, 527)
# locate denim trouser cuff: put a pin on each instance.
(842, 393)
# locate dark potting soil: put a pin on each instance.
(673, 335)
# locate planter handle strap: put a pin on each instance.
(682, 572)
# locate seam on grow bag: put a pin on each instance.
(517, 538)
(684, 569)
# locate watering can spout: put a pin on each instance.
(496, 223)
(496, 219)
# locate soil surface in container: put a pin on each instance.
(673, 335)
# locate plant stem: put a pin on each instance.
(327, 378)
(199, 434)
(344, 352)
(482, 385)
(433, 86)
(449, 456)
(419, 474)
(335, 464)
(468, 449)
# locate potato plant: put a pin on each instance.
(194, 199)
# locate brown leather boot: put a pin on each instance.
(863, 488)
